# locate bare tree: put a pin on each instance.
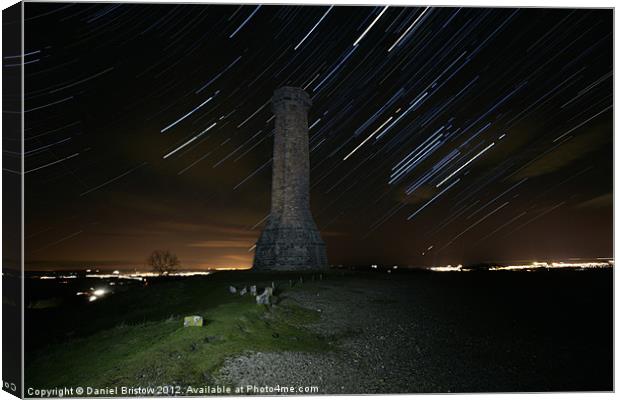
(163, 261)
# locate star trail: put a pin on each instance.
(437, 134)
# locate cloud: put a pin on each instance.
(221, 244)
(567, 153)
(605, 200)
(420, 195)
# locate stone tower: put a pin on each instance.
(290, 239)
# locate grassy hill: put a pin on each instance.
(362, 332)
(137, 337)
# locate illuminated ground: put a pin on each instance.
(358, 333)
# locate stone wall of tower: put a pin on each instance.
(290, 239)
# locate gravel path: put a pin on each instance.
(429, 335)
(374, 353)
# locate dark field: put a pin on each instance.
(403, 332)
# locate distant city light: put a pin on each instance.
(551, 265)
(138, 276)
(536, 265)
(450, 268)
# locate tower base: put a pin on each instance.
(289, 249)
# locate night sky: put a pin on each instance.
(437, 135)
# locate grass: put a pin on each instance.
(137, 337)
